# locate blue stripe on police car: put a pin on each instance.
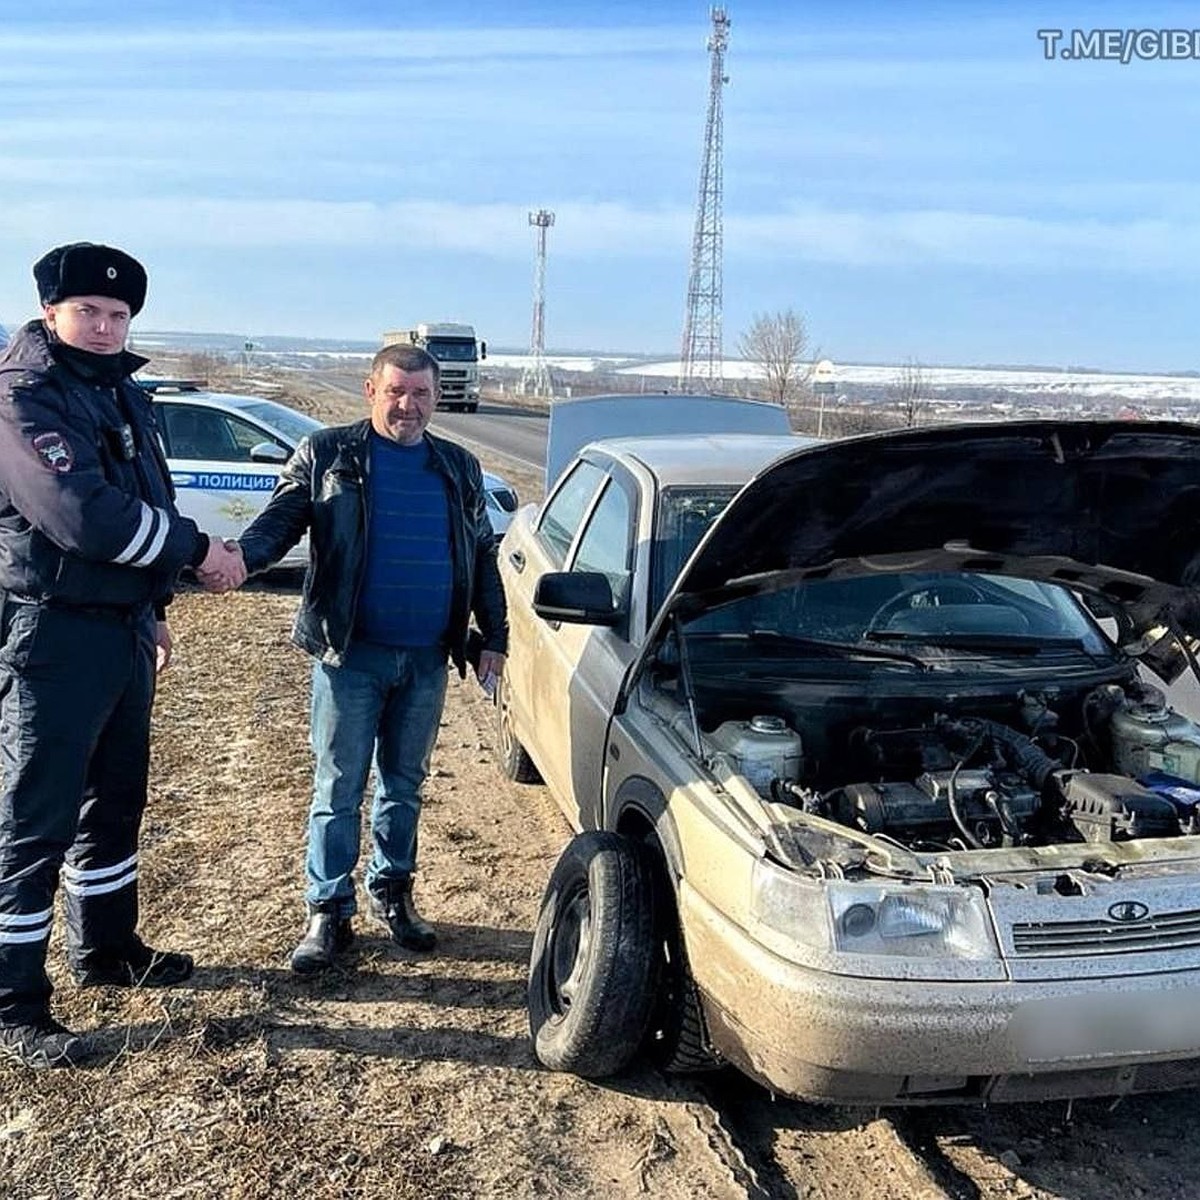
(223, 481)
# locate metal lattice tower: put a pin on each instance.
(702, 356)
(535, 378)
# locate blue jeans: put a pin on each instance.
(384, 703)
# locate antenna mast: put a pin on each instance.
(535, 378)
(702, 357)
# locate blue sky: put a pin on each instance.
(916, 178)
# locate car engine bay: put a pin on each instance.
(1031, 768)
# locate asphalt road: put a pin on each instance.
(512, 432)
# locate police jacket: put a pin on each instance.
(87, 510)
(325, 489)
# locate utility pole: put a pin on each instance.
(535, 378)
(702, 357)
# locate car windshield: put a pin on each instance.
(684, 516)
(287, 421)
(938, 612)
(945, 612)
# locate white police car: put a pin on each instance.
(225, 453)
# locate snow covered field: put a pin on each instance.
(1159, 390)
(1063, 388)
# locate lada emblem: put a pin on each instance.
(1129, 910)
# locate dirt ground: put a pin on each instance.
(412, 1075)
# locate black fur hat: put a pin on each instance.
(86, 269)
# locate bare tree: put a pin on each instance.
(778, 342)
(207, 365)
(909, 392)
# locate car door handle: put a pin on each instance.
(517, 558)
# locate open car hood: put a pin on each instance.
(1108, 508)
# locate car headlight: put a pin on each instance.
(898, 920)
(915, 920)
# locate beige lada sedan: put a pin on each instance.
(876, 795)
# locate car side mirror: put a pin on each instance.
(483, 350)
(268, 452)
(576, 597)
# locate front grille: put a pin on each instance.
(1061, 939)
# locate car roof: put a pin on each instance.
(676, 460)
(211, 399)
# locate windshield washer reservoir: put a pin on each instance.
(762, 749)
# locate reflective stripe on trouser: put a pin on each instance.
(75, 696)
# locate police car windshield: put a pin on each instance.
(291, 424)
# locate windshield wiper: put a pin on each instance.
(836, 649)
(1008, 643)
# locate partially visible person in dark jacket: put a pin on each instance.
(90, 545)
(402, 558)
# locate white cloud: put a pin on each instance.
(491, 230)
(932, 237)
(190, 43)
(597, 230)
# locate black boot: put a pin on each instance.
(41, 1044)
(135, 966)
(327, 936)
(393, 905)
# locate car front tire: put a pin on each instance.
(593, 970)
(676, 1039)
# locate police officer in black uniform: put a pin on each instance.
(90, 545)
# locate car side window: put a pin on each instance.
(192, 432)
(606, 541)
(563, 514)
(247, 436)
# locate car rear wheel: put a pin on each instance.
(593, 970)
(514, 761)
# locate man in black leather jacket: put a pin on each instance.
(90, 544)
(402, 558)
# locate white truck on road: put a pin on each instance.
(458, 352)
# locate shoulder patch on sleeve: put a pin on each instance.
(22, 387)
(54, 450)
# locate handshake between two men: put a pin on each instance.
(223, 568)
